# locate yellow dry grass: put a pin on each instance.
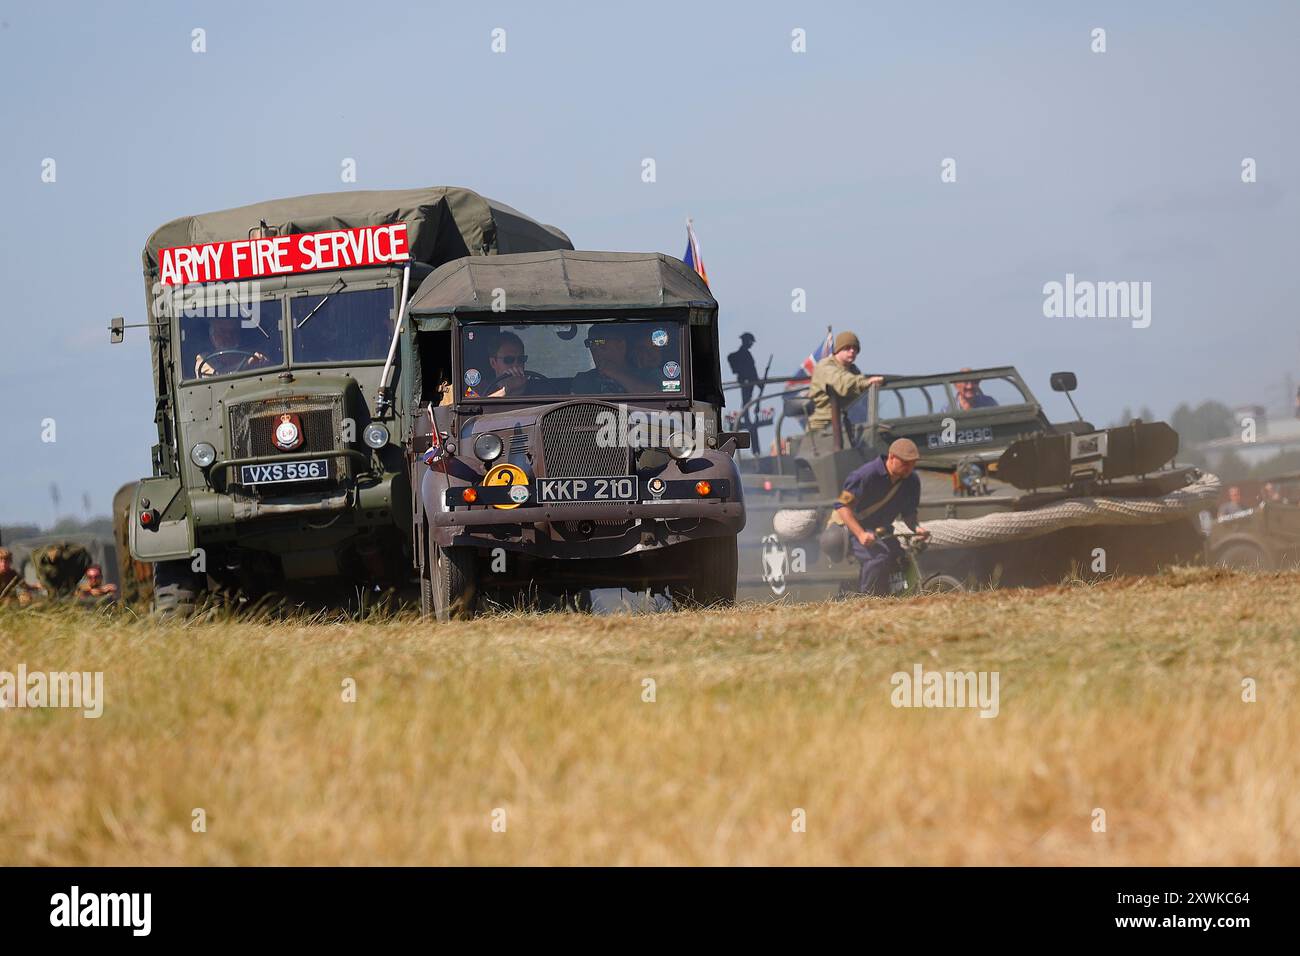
(1125, 697)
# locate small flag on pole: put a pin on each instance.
(692, 257)
(806, 369)
(437, 451)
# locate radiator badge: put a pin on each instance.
(288, 433)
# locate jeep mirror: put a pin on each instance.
(1064, 382)
(116, 329)
(567, 333)
(1067, 382)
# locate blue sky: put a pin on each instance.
(817, 171)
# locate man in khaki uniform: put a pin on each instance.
(837, 374)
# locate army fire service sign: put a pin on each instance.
(284, 255)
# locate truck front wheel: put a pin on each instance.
(177, 589)
(713, 567)
(450, 592)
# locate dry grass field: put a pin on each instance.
(1125, 697)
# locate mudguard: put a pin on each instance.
(172, 535)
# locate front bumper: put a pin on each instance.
(729, 512)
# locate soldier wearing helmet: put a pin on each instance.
(836, 376)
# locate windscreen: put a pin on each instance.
(229, 337)
(343, 326)
(625, 357)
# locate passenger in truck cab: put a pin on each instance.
(228, 353)
(614, 370)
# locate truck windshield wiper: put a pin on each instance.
(341, 286)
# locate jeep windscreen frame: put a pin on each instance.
(475, 341)
(944, 388)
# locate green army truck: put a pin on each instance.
(285, 381)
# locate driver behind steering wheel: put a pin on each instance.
(226, 355)
(509, 367)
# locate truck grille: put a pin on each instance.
(252, 425)
(569, 447)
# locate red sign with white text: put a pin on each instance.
(284, 255)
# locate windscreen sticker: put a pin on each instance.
(672, 370)
(470, 335)
(470, 393)
(672, 386)
(472, 377)
(659, 337)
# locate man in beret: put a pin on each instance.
(837, 375)
(874, 495)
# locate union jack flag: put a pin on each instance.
(436, 451)
(692, 257)
(816, 355)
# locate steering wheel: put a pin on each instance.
(243, 364)
(529, 376)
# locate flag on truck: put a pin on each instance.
(437, 451)
(816, 355)
(692, 257)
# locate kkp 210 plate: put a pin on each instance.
(317, 469)
(551, 490)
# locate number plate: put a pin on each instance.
(276, 472)
(554, 490)
(961, 436)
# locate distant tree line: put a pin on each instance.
(68, 525)
(1208, 421)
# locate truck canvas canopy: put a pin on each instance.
(560, 281)
(426, 226)
(442, 223)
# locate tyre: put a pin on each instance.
(178, 590)
(454, 583)
(941, 584)
(426, 596)
(713, 564)
(1243, 557)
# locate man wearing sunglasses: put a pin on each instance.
(614, 371)
(509, 366)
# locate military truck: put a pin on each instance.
(578, 444)
(1010, 497)
(286, 375)
(1265, 537)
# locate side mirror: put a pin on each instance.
(116, 329)
(1064, 382)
